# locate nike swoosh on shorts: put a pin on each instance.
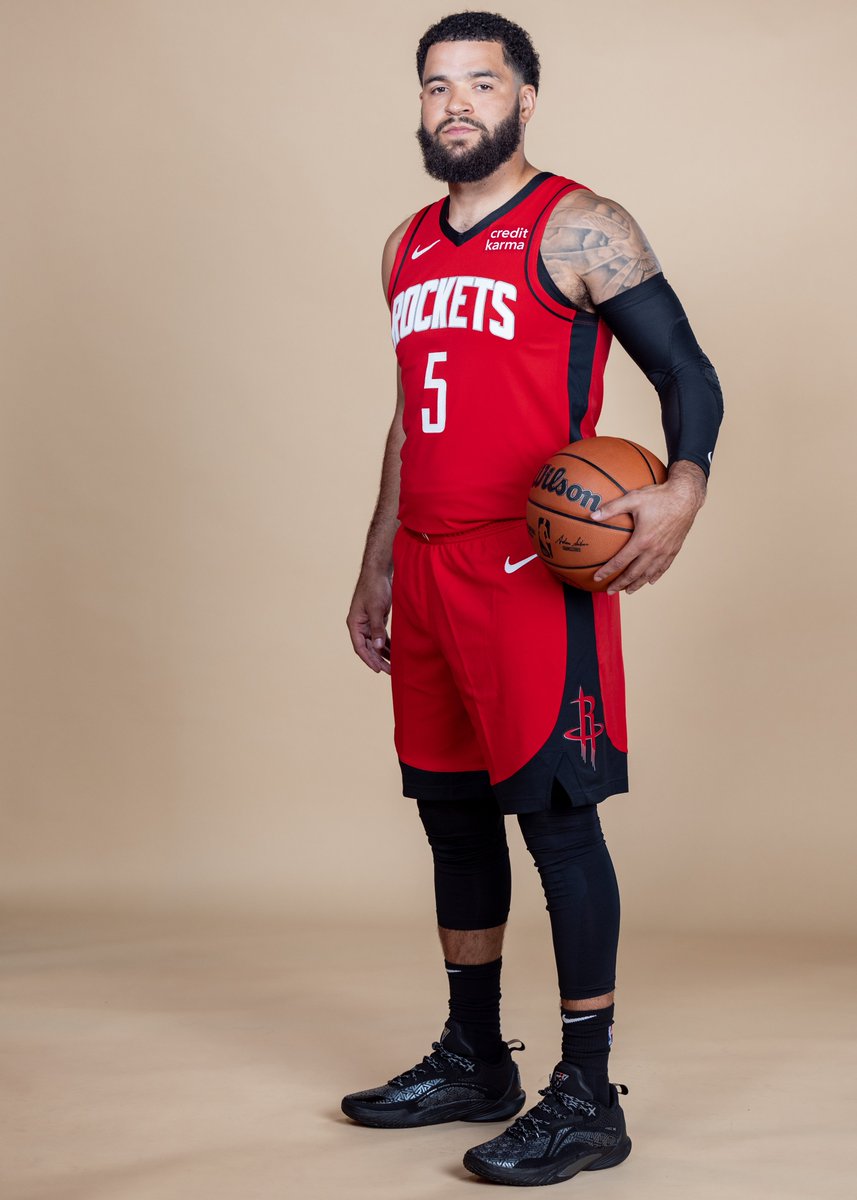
(510, 567)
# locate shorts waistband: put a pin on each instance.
(462, 535)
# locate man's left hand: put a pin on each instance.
(663, 515)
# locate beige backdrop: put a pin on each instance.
(196, 382)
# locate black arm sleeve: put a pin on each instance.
(650, 323)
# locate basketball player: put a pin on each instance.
(508, 687)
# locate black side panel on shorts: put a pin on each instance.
(578, 755)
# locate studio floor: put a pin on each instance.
(198, 1057)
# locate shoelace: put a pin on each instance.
(431, 1063)
(555, 1104)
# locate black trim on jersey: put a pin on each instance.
(404, 257)
(581, 356)
(458, 239)
(564, 301)
(550, 287)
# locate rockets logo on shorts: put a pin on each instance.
(588, 729)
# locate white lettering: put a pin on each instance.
(459, 303)
(444, 290)
(422, 322)
(483, 287)
(456, 319)
(398, 301)
(409, 311)
(505, 328)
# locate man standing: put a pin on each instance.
(508, 687)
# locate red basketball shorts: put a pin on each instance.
(501, 674)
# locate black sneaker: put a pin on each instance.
(569, 1131)
(450, 1084)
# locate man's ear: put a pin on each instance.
(527, 99)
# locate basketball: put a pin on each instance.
(569, 488)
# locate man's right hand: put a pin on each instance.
(367, 619)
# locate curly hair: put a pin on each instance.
(518, 50)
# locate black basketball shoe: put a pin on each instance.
(450, 1084)
(569, 1131)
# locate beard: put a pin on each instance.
(469, 166)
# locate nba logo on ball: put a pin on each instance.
(569, 488)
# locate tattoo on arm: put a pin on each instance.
(593, 249)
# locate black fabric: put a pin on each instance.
(586, 771)
(474, 1003)
(586, 1040)
(649, 322)
(459, 239)
(449, 786)
(568, 848)
(472, 876)
(473, 883)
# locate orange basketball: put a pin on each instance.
(569, 488)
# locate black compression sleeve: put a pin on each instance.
(650, 323)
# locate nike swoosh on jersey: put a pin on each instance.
(424, 249)
(510, 568)
(570, 1020)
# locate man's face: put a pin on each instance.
(473, 110)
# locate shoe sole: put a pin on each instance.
(508, 1106)
(556, 1173)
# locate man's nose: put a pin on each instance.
(458, 101)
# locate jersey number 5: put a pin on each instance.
(439, 423)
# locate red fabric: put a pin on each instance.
(477, 333)
(478, 655)
(496, 372)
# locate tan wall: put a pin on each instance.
(196, 381)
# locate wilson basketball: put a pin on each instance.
(569, 488)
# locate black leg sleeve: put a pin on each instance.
(579, 882)
(472, 877)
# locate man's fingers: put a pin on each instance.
(363, 647)
(643, 570)
(617, 563)
(378, 628)
(635, 586)
(613, 508)
(376, 660)
(370, 646)
(626, 579)
(367, 621)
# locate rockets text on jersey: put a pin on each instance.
(456, 303)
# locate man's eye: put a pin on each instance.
(487, 86)
(436, 90)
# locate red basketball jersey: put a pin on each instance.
(499, 370)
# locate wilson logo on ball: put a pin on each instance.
(573, 487)
(553, 480)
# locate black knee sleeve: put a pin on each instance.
(579, 882)
(472, 878)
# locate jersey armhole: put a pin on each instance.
(536, 273)
(402, 252)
